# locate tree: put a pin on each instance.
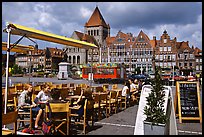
(16, 69)
(154, 110)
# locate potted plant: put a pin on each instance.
(156, 119)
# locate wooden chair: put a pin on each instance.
(124, 100)
(71, 85)
(64, 93)
(19, 87)
(64, 86)
(99, 89)
(25, 114)
(97, 107)
(105, 87)
(115, 86)
(58, 109)
(9, 118)
(59, 86)
(112, 102)
(84, 119)
(36, 89)
(12, 90)
(11, 102)
(104, 104)
(77, 91)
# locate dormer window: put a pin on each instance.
(165, 40)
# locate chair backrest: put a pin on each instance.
(114, 86)
(12, 101)
(64, 85)
(58, 107)
(103, 97)
(19, 87)
(105, 87)
(9, 118)
(12, 90)
(113, 94)
(59, 86)
(64, 93)
(36, 89)
(77, 91)
(99, 89)
(71, 85)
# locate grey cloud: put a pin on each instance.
(151, 14)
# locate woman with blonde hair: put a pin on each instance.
(41, 99)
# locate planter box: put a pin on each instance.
(150, 129)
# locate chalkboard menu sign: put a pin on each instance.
(188, 98)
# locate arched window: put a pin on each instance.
(94, 32)
(78, 59)
(70, 59)
(74, 59)
(97, 32)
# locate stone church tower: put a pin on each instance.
(97, 27)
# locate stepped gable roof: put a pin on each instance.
(96, 19)
(85, 37)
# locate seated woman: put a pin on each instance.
(25, 97)
(87, 93)
(41, 99)
(25, 100)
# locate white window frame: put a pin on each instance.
(160, 48)
(165, 40)
(165, 48)
(169, 48)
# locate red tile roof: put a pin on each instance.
(197, 51)
(153, 43)
(85, 37)
(55, 52)
(96, 19)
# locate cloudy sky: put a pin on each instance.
(181, 19)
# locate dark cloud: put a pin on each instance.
(150, 14)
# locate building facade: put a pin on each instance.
(166, 51)
(198, 60)
(45, 60)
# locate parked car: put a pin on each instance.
(138, 76)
